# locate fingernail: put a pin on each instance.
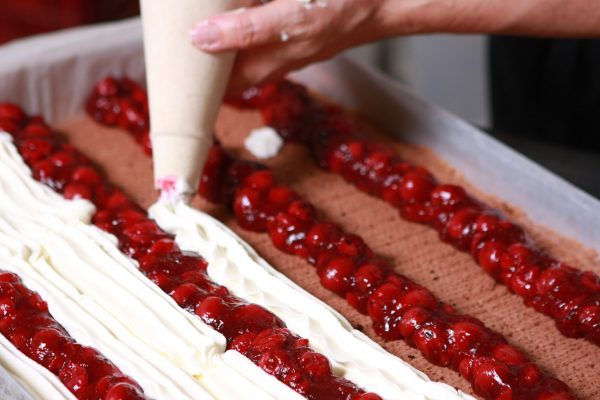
(206, 35)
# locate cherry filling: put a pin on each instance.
(398, 307)
(248, 328)
(570, 296)
(27, 324)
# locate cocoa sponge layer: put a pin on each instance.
(414, 249)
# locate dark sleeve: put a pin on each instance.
(546, 89)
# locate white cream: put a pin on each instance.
(101, 298)
(233, 263)
(264, 142)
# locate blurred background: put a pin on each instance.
(540, 96)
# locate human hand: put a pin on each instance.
(284, 35)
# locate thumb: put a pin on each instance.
(246, 27)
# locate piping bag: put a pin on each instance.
(185, 88)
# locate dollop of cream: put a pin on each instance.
(264, 142)
(233, 263)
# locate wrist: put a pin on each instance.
(409, 17)
(406, 17)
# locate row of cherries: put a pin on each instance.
(248, 328)
(570, 296)
(398, 307)
(27, 324)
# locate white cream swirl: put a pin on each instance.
(103, 301)
(233, 263)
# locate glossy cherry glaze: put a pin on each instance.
(27, 324)
(398, 307)
(249, 329)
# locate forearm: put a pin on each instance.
(552, 18)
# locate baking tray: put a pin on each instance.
(52, 75)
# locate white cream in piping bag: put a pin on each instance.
(101, 298)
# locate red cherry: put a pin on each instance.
(337, 274)
(271, 339)
(7, 307)
(122, 391)
(315, 364)
(145, 232)
(10, 126)
(87, 176)
(34, 149)
(146, 142)
(369, 276)
(321, 236)
(108, 87)
(302, 210)
(369, 396)
(491, 378)
(351, 245)
(420, 297)
(118, 200)
(36, 130)
(46, 347)
(487, 223)
(252, 318)
(448, 197)
(12, 112)
(530, 374)
(212, 310)
(129, 217)
(281, 195)
(589, 317)
(383, 301)
(186, 294)
(163, 247)
(460, 227)
(356, 149)
(523, 282)
(74, 377)
(63, 159)
(489, 257)
(466, 336)
(416, 212)
(260, 180)
(242, 343)
(508, 354)
(390, 191)
(412, 320)
(432, 342)
(76, 190)
(8, 277)
(288, 233)
(416, 186)
(44, 170)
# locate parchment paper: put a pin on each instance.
(10, 389)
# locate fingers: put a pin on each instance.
(247, 28)
(266, 63)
